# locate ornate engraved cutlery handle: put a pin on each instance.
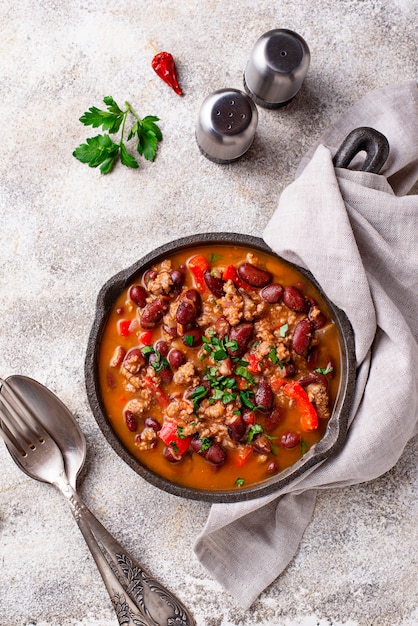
(138, 598)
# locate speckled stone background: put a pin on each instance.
(65, 229)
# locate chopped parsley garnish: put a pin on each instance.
(188, 340)
(325, 370)
(215, 257)
(244, 373)
(283, 330)
(273, 355)
(174, 446)
(147, 350)
(254, 430)
(180, 433)
(206, 444)
(245, 399)
(197, 395)
(239, 482)
(303, 446)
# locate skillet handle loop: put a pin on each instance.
(364, 139)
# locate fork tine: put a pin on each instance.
(10, 442)
(20, 423)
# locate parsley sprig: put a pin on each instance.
(102, 151)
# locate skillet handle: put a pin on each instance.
(364, 139)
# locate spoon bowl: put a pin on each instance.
(55, 417)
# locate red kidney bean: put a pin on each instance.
(166, 375)
(261, 444)
(149, 275)
(193, 296)
(176, 358)
(162, 347)
(222, 327)
(264, 395)
(151, 422)
(134, 360)
(170, 455)
(272, 467)
(254, 276)
(274, 419)
(196, 445)
(236, 428)
(186, 313)
(171, 331)
(152, 314)
(242, 334)
(117, 356)
(138, 295)
(131, 421)
(110, 380)
(249, 417)
(272, 293)
(312, 378)
(316, 317)
(290, 439)
(289, 369)
(177, 277)
(214, 284)
(215, 454)
(294, 300)
(196, 337)
(302, 336)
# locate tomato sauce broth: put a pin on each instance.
(259, 445)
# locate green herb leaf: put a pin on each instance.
(254, 430)
(239, 482)
(126, 158)
(188, 340)
(206, 444)
(215, 257)
(244, 373)
(325, 370)
(174, 446)
(180, 434)
(96, 151)
(303, 446)
(273, 355)
(283, 330)
(100, 150)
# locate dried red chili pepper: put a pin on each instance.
(164, 66)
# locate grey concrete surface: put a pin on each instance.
(65, 229)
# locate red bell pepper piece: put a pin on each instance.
(198, 265)
(123, 327)
(231, 273)
(308, 415)
(170, 433)
(161, 397)
(146, 338)
(164, 66)
(243, 455)
(254, 364)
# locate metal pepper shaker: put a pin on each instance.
(226, 125)
(276, 68)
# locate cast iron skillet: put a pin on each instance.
(376, 148)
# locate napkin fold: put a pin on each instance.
(357, 233)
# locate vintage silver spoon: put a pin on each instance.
(29, 414)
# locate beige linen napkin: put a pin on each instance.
(360, 240)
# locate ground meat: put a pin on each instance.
(232, 304)
(179, 410)
(147, 439)
(318, 395)
(211, 411)
(184, 374)
(254, 306)
(140, 403)
(163, 282)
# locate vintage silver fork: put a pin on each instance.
(137, 597)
